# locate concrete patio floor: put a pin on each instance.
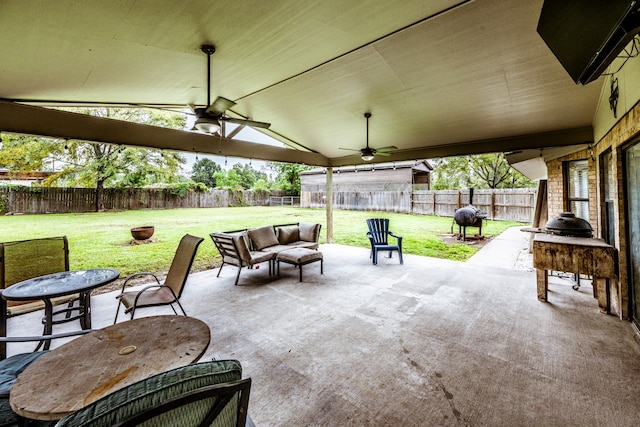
(427, 343)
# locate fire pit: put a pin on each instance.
(142, 233)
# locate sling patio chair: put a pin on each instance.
(379, 237)
(26, 259)
(170, 291)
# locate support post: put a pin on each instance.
(329, 205)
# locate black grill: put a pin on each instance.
(567, 224)
(469, 216)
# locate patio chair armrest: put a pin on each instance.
(135, 275)
(146, 288)
(396, 236)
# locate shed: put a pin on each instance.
(405, 172)
(383, 186)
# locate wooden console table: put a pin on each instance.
(580, 255)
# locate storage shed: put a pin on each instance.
(382, 186)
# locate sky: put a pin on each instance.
(246, 134)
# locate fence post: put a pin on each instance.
(492, 205)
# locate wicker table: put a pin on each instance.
(94, 365)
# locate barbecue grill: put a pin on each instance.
(469, 216)
(567, 224)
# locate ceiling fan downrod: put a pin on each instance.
(209, 50)
(367, 115)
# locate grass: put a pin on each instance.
(102, 239)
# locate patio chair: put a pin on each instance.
(26, 259)
(202, 394)
(170, 291)
(378, 236)
(13, 366)
(234, 250)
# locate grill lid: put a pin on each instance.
(567, 224)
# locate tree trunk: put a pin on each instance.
(100, 196)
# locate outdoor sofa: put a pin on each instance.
(248, 247)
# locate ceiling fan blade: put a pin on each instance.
(382, 153)
(247, 122)
(348, 149)
(388, 148)
(219, 106)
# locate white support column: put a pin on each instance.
(329, 205)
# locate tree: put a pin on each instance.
(480, 171)
(228, 180)
(204, 171)
(261, 185)
(81, 163)
(248, 175)
(288, 178)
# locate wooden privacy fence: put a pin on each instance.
(514, 204)
(63, 200)
(360, 197)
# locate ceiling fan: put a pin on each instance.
(367, 153)
(209, 119)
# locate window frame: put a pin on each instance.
(568, 185)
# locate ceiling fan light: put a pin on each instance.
(367, 157)
(207, 125)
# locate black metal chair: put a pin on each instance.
(379, 237)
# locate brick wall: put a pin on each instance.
(627, 130)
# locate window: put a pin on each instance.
(578, 188)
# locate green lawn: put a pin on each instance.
(102, 239)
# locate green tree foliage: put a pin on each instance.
(261, 185)
(85, 164)
(228, 180)
(204, 171)
(288, 177)
(248, 175)
(480, 171)
(242, 177)
(23, 153)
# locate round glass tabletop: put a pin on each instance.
(60, 284)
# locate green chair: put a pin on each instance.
(202, 394)
(26, 259)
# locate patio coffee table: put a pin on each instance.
(103, 361)
(299, 257)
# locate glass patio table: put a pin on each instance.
(60, 284)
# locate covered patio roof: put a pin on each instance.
(441, 78)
